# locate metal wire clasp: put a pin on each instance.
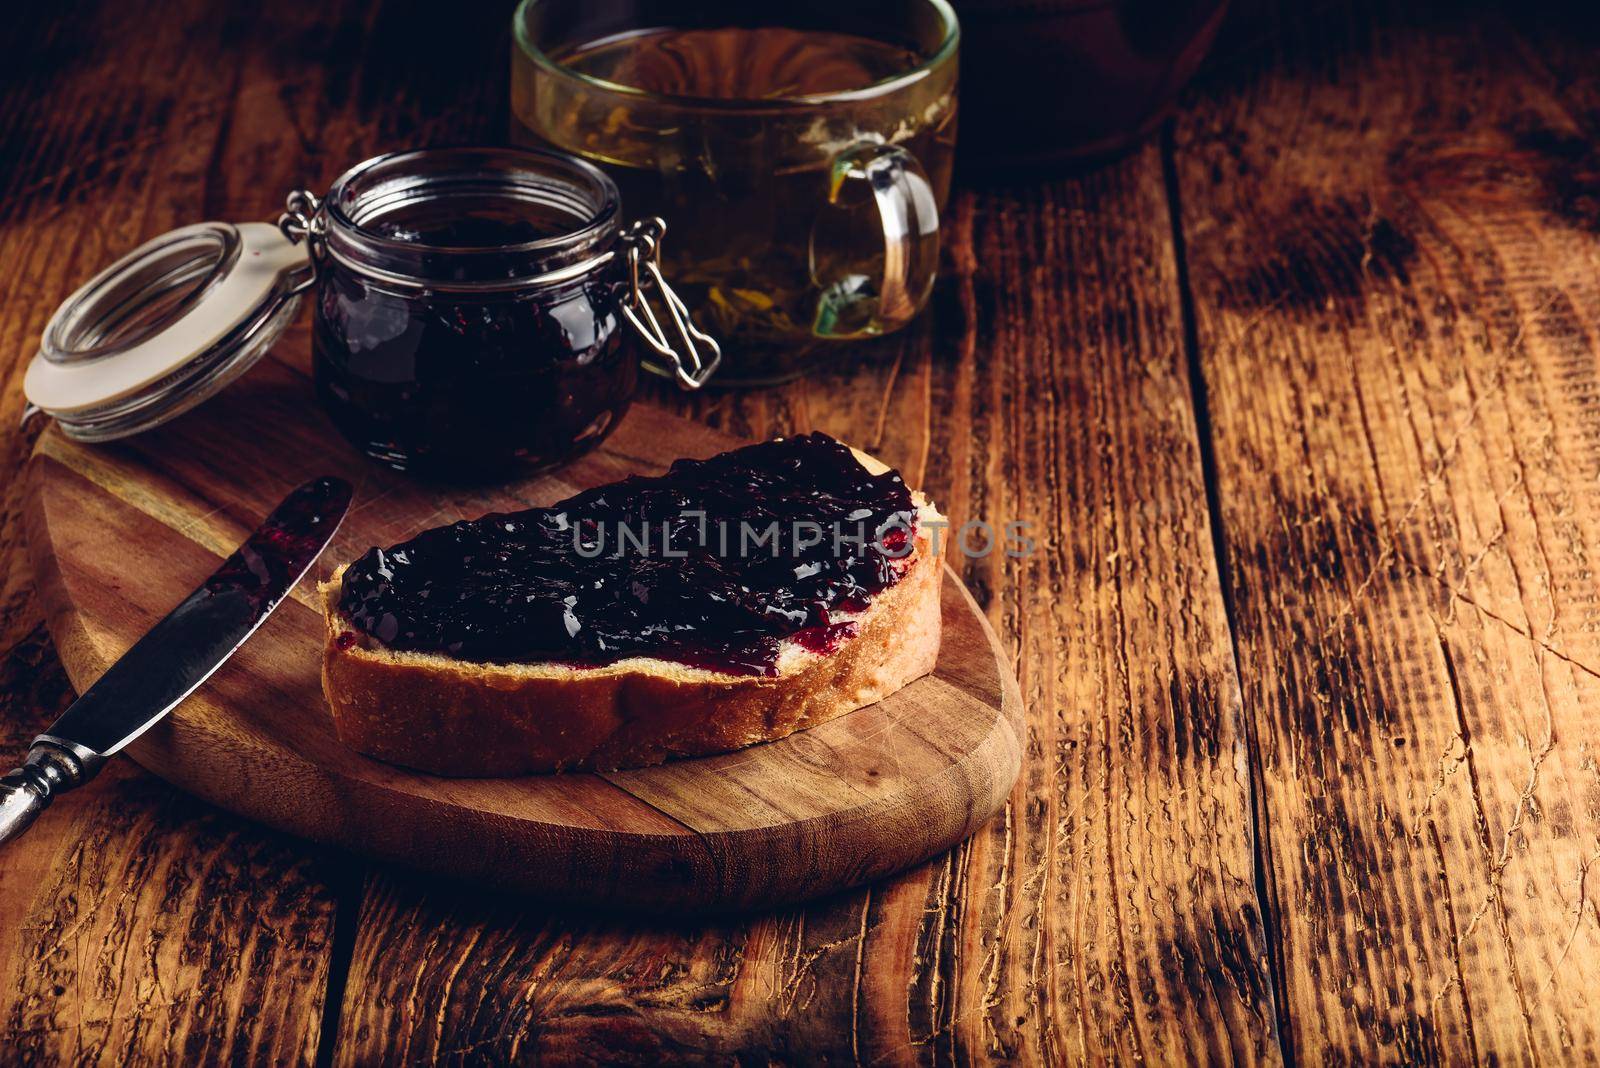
(302, 221)
(642, 240)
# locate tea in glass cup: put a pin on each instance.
(801, 153)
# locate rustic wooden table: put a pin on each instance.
(1304, 396)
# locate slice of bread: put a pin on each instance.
(435, 713)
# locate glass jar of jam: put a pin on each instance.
(477, 310)
(477, 313)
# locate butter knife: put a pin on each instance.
(177, 655)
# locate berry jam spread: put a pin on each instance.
(713, 565)
(455, 384)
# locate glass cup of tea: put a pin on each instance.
(801, 151)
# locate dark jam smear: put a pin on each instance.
(285, 543)
(573, 584)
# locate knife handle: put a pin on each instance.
(52, 767)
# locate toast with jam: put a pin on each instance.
(730, 601)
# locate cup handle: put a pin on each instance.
(908, 212)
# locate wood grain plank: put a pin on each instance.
(1111, 911)
(174, 933)
(1396, 311)
(138, 925)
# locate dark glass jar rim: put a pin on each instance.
(554, 183)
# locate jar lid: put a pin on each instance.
(165, 327)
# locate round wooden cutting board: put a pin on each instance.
(120, 533)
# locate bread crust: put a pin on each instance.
(458, 718)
